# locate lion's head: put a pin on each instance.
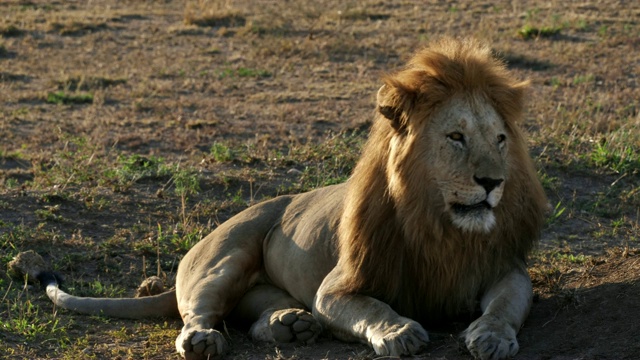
(445, 177)
(453, 111)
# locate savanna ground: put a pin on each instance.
(128, 129)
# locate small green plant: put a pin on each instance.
(186, 183)
(120, 334)
(583, 79)
(237, 198)
(49, 213)
(97, 288)
(185, 239)
(556, 82)
(246, 72)
(221, 152)
(557, 213)
(182, 238)
(602, 30)
(548, 182)
(582, 25)
(11, 183)
(60, 97)
(573, 259)
(528, 32)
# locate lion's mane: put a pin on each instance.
(399, 246)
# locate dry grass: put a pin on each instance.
(285, 91)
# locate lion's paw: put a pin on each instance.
(489, 338)
(288, 325)
(409, 338)
(201, 344)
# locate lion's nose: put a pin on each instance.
(488, 183)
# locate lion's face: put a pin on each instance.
(465, 144)
(460, 152)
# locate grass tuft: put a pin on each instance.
(60, 97)
(529, 32)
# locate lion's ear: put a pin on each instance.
(393, 105)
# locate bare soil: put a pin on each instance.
(283, 84)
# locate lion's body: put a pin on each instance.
(435, 222)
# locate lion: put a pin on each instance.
(435, 223)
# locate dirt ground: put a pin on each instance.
(288, 89)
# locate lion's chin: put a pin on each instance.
(477, 218)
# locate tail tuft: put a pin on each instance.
(47, 278)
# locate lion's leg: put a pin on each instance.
(278, 316)
(204, 302)
(216, 273)
(368, 320)
(504, 309)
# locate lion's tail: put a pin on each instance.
(161, 305)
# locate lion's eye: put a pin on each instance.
(501, 138)
(456, 136)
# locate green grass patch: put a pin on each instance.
(60, 97)
(529, 32)
(327, 163)
(221, 152)
(29, 323)
(617, 157)
(617, 151)
(130, 169)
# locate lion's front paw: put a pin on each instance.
(201, 344)
(489, 338)
(403, 339)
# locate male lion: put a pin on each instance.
(436, 221)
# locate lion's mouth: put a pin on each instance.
(465, 209)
